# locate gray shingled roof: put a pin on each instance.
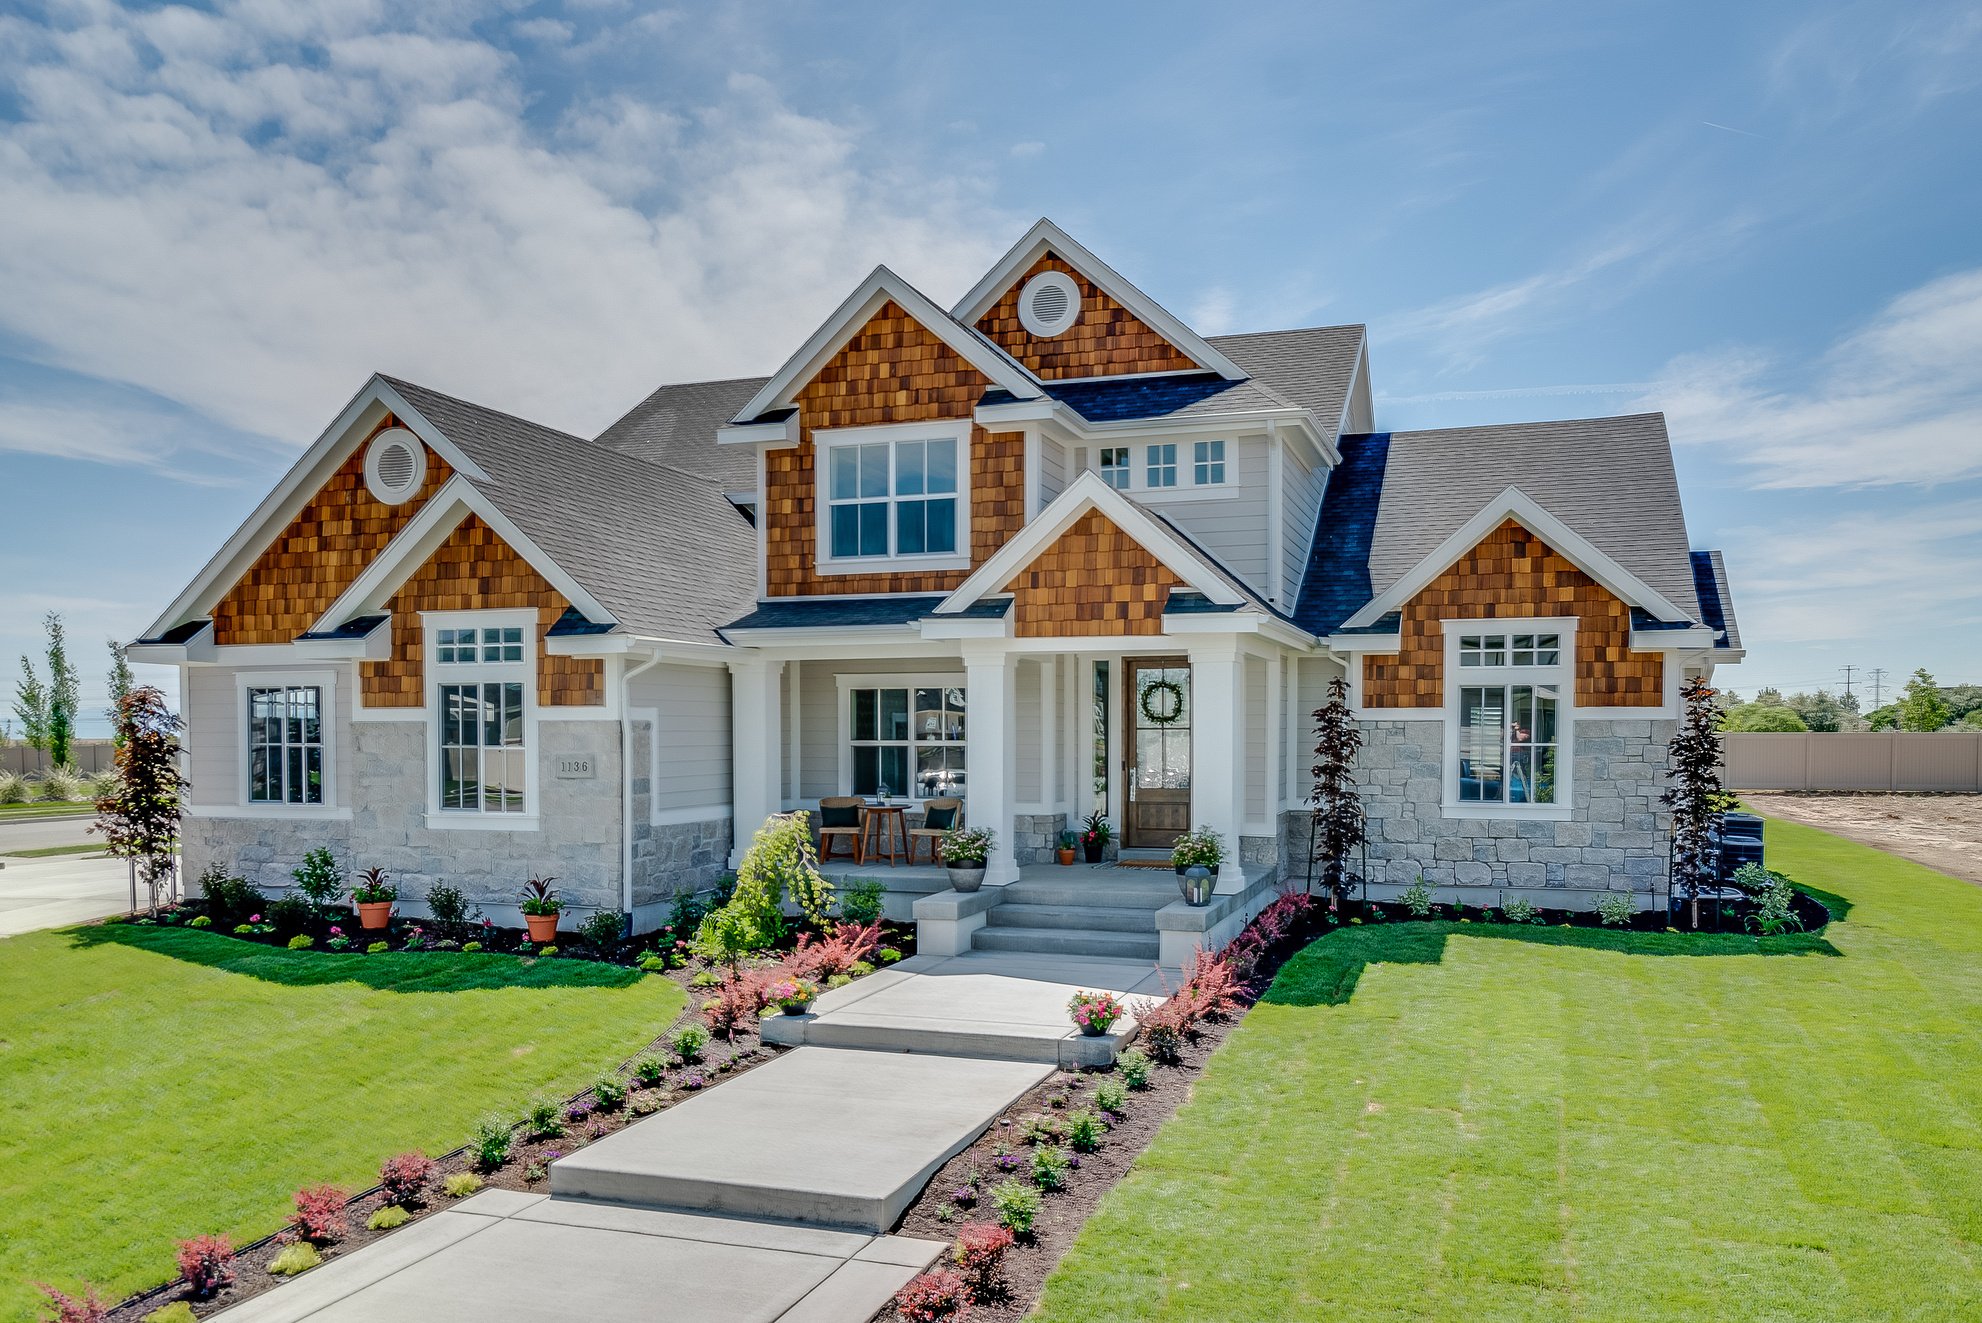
(660, 548)
(1609, 479)
(676, 426)
(1311, 367)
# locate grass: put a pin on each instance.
(60, 808)
(160, 1083)
(1425, 1121)
(50, 851)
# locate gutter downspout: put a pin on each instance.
(626, 785)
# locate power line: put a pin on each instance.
(1847, 680)
(1878, 686)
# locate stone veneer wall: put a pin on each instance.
(1617, 838)
(1035, 836)
(668, 857)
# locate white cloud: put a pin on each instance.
(1029, 148)
(247, 212)
(549, 31)
(1898, 400)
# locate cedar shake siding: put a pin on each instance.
(1107, 340)
(475, 570)
(324, 549)
(1094, 579)
(1512, 574)
(890, 371)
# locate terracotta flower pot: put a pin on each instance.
(543, 927)
(374, 914)
(1066, 858)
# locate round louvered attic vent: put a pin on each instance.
(1049, 303)
(395, 466)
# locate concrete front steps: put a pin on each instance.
(1082, 914)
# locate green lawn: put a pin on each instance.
(58, 808)
(156, 1083)
(51, 851)
(1431, 1121)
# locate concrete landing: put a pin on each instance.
(834, 1139)
(1006, 1005)
(534, 1259)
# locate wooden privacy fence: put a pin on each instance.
(1884, 760)
(89, 756)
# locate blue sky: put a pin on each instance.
(1762, 219)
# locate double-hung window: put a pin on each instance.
(893, 498)
(1510, 698)
(285, 744)
(906, 740)
(482, 688)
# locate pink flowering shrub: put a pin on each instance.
(207, 1264)
(935, 1297)
(319, 1215)
(404, 1179)
(850, 944)
(979, 1253)
(90, 1309)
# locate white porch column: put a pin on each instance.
(990, 748)
(1218, 748)
(757, 764)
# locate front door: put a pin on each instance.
(1158, 754)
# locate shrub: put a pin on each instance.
(404, 1179)
(609, 1091)
(1017, 1206)
(780, 861)
(207, 1264)
(68, 1309)
(1111, 1097)
(318, 878)
(200, 921)
(302, 942)
(1521, 910)
(244, 930)
(13, 787)
(1041, 1128)
(849, 946)
(378, 948)
(1050, 1165)
(654, 964)
(469, 948)
(604, 930)
(646, 1105)
(650, 1071)
(942, 1296)
(461, 1184)
(689, 1040)
(230, 899)
(1134, 1065)
(1774, 914)
(541, 1119)
(388, 1218)
(492, 1141)
(704, 978)
(63, 784)
(888, 955)
(737, 1002)
(862, 900)
(1084, 1130)
(289, 915)
(319, 1215)
(103, 785)
(297, 1258)
(1615, 908)
(534, 1172)
(686, 912)
(176, 1312)
(979, 1253)
(1165, 1027)
(451, 912)
(1417, 898)
(547, 952)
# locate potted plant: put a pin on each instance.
(1066, 850)
(1203, 847)
(965, 853)
(1095, 833)
(540, 909)
(373, 895)
(793, 995)
(1095, 1012)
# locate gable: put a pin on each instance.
(1093, 579)
(1511, 574)
(318, 555)
(891, 370)
(475, 570)
(1107, 340)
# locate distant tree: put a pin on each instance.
(1921, 707)
(1769, 697)
(1340, 826)
(47, 709)
(1820, 711)
(1849, 702)
(1962, 700)
(1764, 717)
(140, 819)
(1695, 795)
(120, 685)
(31, 706)
(1883, 718)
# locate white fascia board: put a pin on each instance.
(1005, 417)
(1525, 510)
(1087, 492)
(1671, 640)
(1237, 622)
(1377, 643)
(789, 635)
(880, 286)
(1046, 235)
(967, 627)
(589, 645)
(376, 645)
(195, 651)
(777, 435)
(443, 512)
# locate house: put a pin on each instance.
(1049, 551)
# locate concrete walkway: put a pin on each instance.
(66, 889)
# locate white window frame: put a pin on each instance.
(848, 681)
(480, 672)
(1126, 468)
(324, 681)
(825, 441)
(1186, 487)
(1203, 459)
(1562, 676)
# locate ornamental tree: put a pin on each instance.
(1696, 796)
(139, 820)
(1340, 825)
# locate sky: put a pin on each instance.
(1763, 219)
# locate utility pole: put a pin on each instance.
(1878, 686)
(1847, 680)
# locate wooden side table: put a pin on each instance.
(893, 821)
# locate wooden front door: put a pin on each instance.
(1158, 751)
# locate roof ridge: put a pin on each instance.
(1292, 330)
(1535, 422)
(401, 382)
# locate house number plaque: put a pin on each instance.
(577, 769)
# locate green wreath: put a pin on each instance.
(1174, 708)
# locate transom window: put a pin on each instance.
(907, 740)
(1507, 743)
(457, 647)
(1208, 463)
(893, 498)
(481, 746)
(1160, 470)
(1115, 467)
(1510, 650)
(285, 745)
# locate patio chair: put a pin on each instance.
(939, 818)
(839, 820)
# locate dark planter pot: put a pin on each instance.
(1094, 851)
(967, 879)
(1095, 1030)
(1182, 867)
(796, 1008)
